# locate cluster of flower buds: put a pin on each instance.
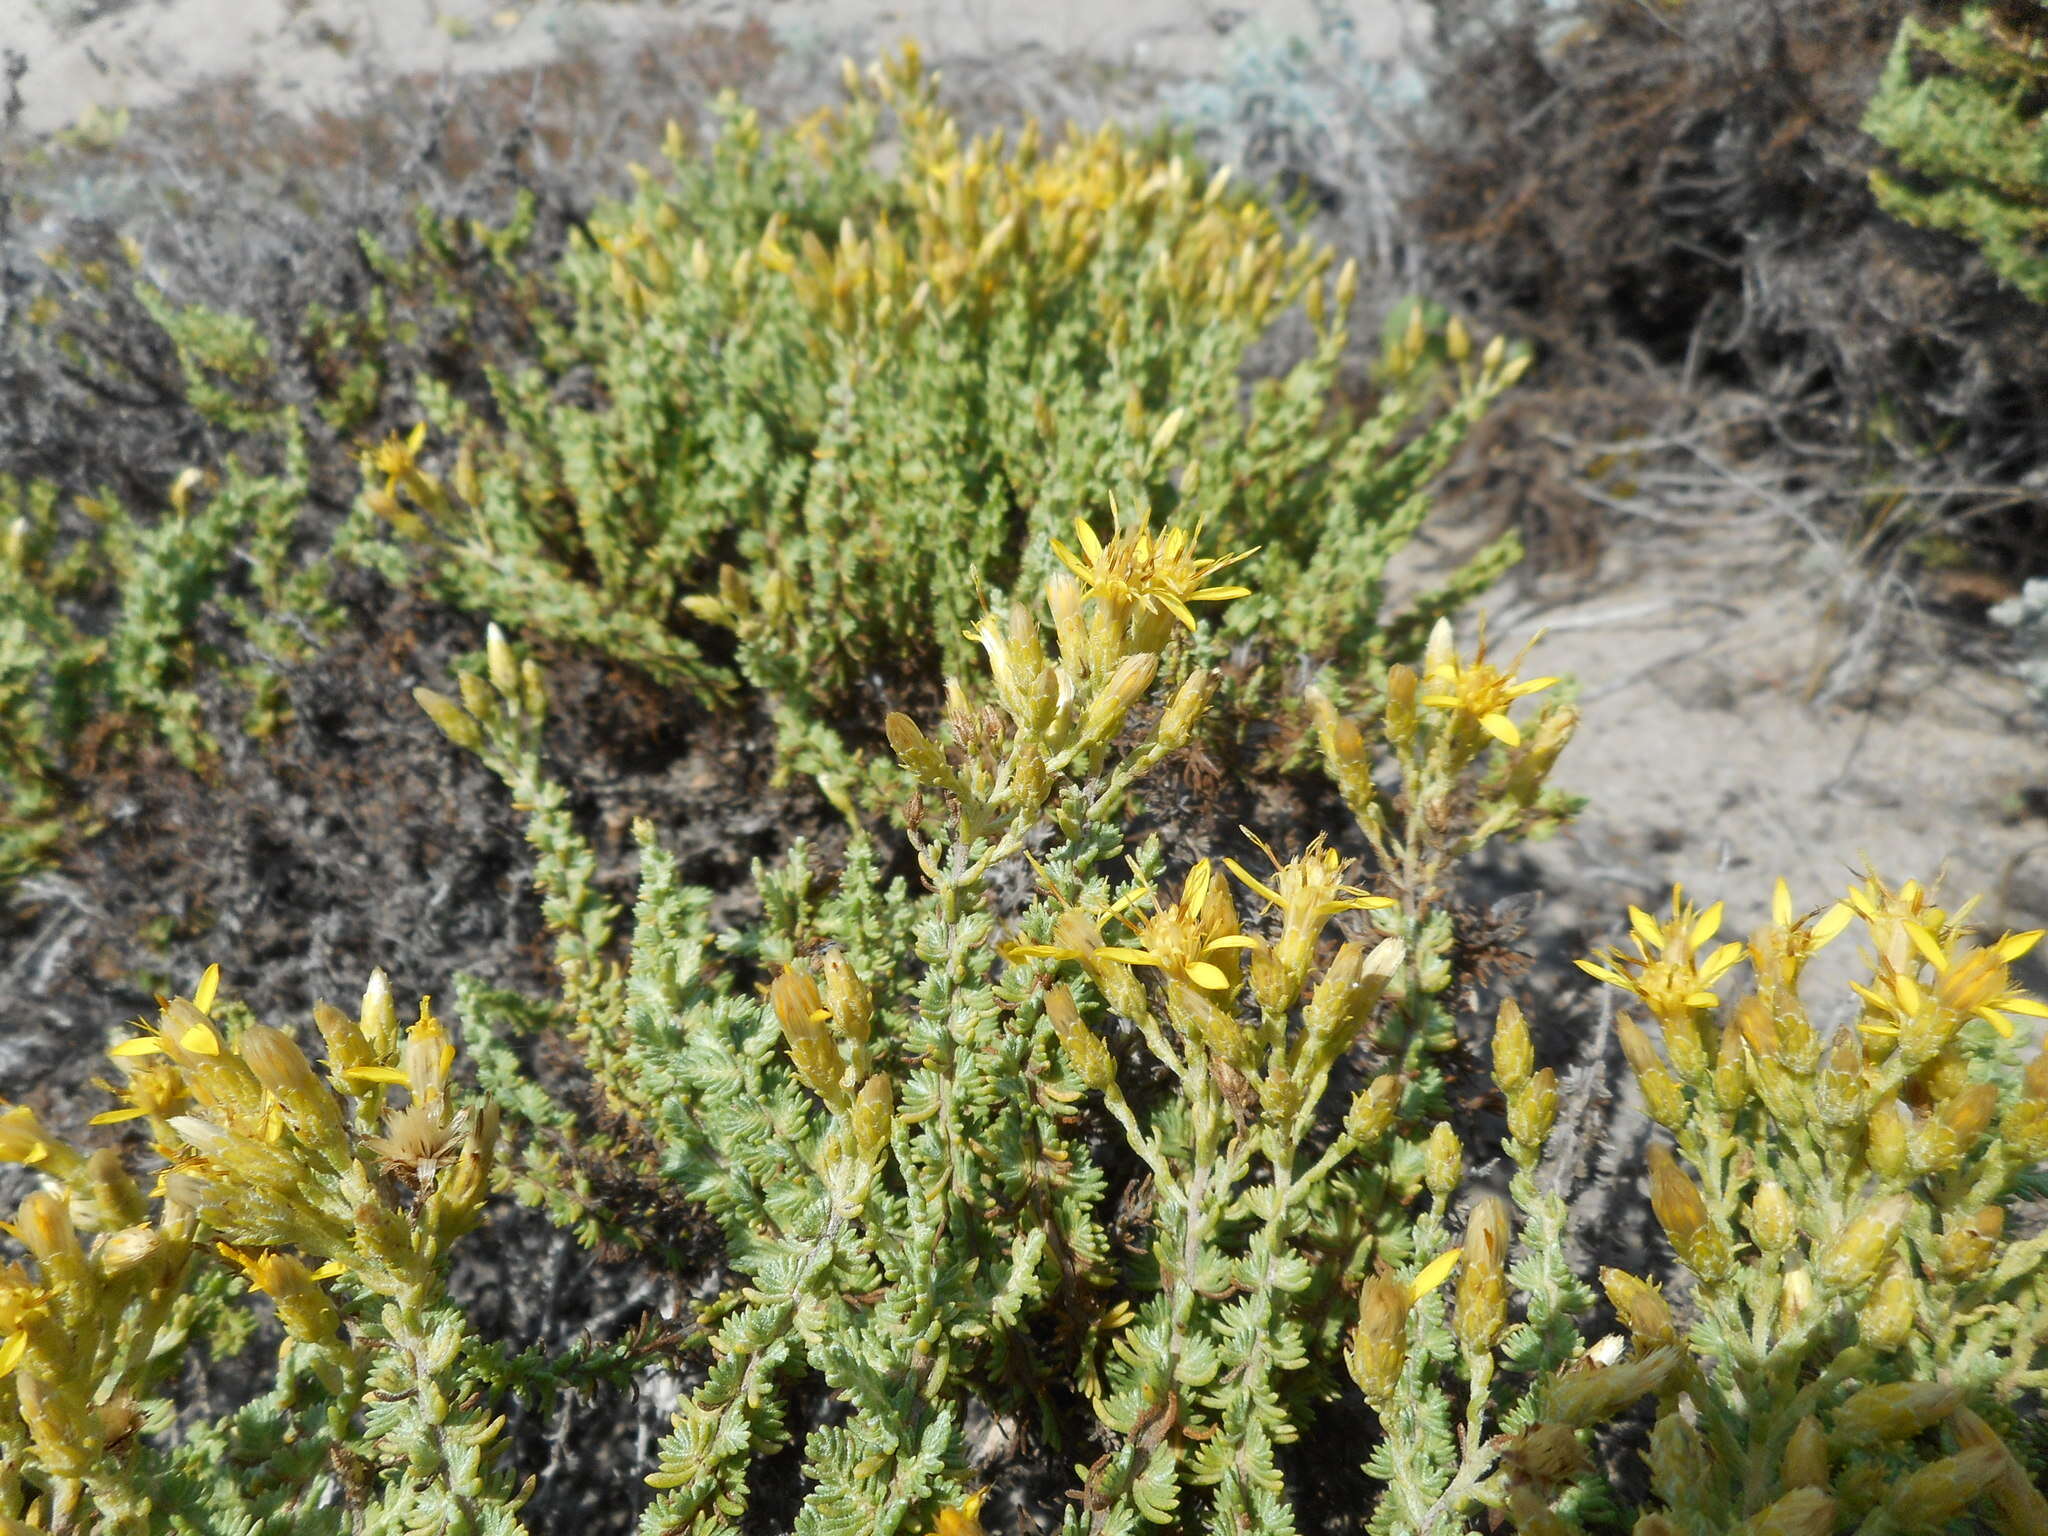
(1114, 613)
(509, 695)
(297, 1175)
(1853, 1178)
(827, 1033)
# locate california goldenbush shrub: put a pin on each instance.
(1960, 107)
(770, 430)
(917, 1113)
(809, 411)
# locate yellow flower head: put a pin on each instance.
(1476, 690)
(22, 1303)
(1308, 891)
(22, 1138)
(397, 458)
(1148, 583)
(185, 1030)
(1194, 939)
(1780, 951)
(1966, 983)
(1666, 971)
(962, 1519)
(154, 1091)
(423, 1062)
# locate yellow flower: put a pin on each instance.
(1134, 571)
(154, 1092)
(1666, 971)
(1188, 938)
(1308, 891)
(22, 1302)
(397, 458)
(186, 1029)
(424, 1061)
(962, 1519)
(1477, 689)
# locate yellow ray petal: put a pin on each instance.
(1434, 1273)
(1501, 729)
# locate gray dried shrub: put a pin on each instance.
(1690, 182)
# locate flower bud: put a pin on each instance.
(1885, 1320)
(1641, 1307)
(914, 750)
(43, 1225)
(1731, 1073)
(874, 1112)
(1802, 1512)
(1443, 1161)
(1104, 716)
(1795, 1293)
(2022, 1507)
(1968, 1244)
(121, 1253)
(1344, 999)
(1683, 1215)
(454, 721)
(1532, 1514)
(1514, 1057)
(1402, 690)
(1838, 1091)
(119, 1201)
(1805, 1464)
(848, 1000)
(1371, 1114)
(1089, 1057)
(1345, 753)
(2034, 1085)
(1886, 1136)
(503, 665)
(1379, 1346)
(1661, 1093)
(1532, 1109)
(1863, 1244)
(1896, 1410)
(1185, 709)
(1482, 1308)
(1946, 1137)
(1457, 340)
(1682, 1043)
(1942, 1490)
(1772, 1221)
(1584, 1397)
(1547, 1454)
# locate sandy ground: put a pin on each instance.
(1703, 755)
(113, 53)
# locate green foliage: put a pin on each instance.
(317, 1191)
(1964, 108)
(829, 409)
(900, 1140)
(1056, 1138)
(776, 429)
(105, 632)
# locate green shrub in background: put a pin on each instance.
(1964, 108)
(828, 408)
(1136, 1164)
(778, 426)
(72, 683)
